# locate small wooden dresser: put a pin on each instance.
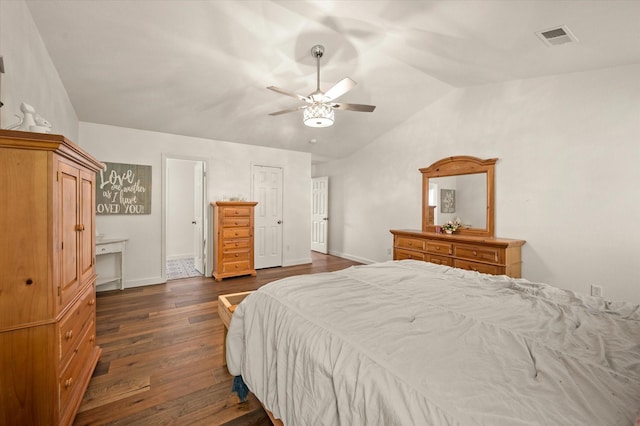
(233, 239)
(497, 256)
(48, 345)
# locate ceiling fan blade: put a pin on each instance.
(339, 89)
(286, 92)
(354, 107)
(284, 111)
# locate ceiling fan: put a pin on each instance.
(320, 105)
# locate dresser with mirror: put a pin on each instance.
(460, 190)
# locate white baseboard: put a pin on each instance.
(293, 262)
(354, 258)
(131, 284)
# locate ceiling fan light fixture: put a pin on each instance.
(318, 115)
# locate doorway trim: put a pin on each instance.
(205, 215)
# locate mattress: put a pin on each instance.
(413, 343)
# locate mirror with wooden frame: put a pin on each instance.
(460, 187)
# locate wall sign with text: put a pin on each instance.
(123, 189)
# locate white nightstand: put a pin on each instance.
(111, 245)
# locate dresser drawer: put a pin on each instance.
(236, 233)
(479, 253)
(234, 256)
(438, 247)
(236, 244)
(237, 222)
(108, 248)
(401, 254)
(439, 260)
(479, 267)
(73, 375)
(236, 212)
(75, 321)
(229, 267)
(410, 243)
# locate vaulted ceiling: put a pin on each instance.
(201, 68)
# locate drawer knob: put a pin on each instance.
(68, 335)
(475, 253)
(68, 382)
(237, 255)
(92, 339)
(29, 281)
(437, 247)
(410, 243)
(92, 302)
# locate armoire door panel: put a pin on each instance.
(68, 230)
(24, 183)
(87, 228)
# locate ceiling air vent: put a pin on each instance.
(556, 36)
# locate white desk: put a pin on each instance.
(111, 245)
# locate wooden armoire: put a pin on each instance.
(48, 347)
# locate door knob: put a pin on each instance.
(193, 222)
(279, 222)
(325, 218)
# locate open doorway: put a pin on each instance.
(184, 217)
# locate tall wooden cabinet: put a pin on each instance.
(233, 239)
(48, 345)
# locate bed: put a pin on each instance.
(414, 343)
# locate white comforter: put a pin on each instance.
(413, 343)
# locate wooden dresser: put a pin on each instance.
(233, 239)
(497, 256)
(48, 345)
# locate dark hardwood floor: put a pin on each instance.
(161, 358)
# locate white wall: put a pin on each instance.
(568, 173)
(30, 76)
(180, 208)
(229, 172)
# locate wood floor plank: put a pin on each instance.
(162, 353)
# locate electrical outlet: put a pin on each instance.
(596, 290)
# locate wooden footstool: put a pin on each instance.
(227, 303)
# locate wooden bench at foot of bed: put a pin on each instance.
(227, 304)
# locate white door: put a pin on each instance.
(267, 191)
(198, 214)
(319, 214)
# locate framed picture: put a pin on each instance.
(447, 201)
(123, 189)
